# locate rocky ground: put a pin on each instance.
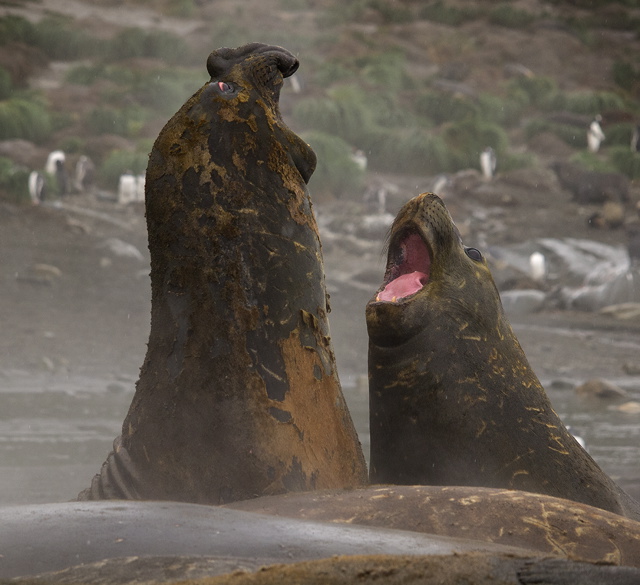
(75, 287)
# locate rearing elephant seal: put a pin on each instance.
(238, 395)
(453, 400)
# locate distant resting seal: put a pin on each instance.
(238, 395)
(453, 400)
(123, 542)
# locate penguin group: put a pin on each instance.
(55, 178)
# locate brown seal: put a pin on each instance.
(474, 568)
(238, 395)
(534, 522)
(453, 400)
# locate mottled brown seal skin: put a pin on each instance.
(453, 400)
(238, 395)
(460, 568)
(534, 522)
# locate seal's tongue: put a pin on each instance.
(403, 286)
(410, 272)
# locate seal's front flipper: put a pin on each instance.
(117, 479)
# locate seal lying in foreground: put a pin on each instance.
(453, 400)
(112, 543)
(506, 517)
(238, 395)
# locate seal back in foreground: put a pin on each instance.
(453, 400)
(238, 395)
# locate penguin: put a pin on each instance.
(37, 187)
(595, 135)
(488, 162)
(537, 266)
(127, 188)
(84, 174)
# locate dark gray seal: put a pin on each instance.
(453, 400)
(238, 395)
(51, 537)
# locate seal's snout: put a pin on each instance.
(288, 68)
(267, 62)
(408, 267)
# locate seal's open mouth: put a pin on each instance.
(408, 268)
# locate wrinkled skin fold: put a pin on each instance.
(453, 400)
(238, 395)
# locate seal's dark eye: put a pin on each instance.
(225, 88)
(474, 254)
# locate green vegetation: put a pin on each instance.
(16, 29)
(536, 91)
(340, 12)
(135, 97)
(361, 88)
(391, 12)
(343, 112)
(14, 180)
(181, 8)
(574, 136)
(72, 145)
(625, 161)
(164, 90)
(384, 70)
(627, 76)
(59, 38)
(56, 36)
(121, 161)
(336, 173)
(445, 14)
(466, 139)
(122, 121)
(616, 158)
(6, 86)
(440, 107)
(592, 162)
(509, 17)
(618, 135)
(413, 151)
(590, 102)
(296, 4)
(22, 118)
(227, 32)
(135, 42)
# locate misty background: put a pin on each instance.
(396, 98)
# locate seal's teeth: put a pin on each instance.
(393, 299)
(377, 297)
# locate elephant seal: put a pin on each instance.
(52, 537)
(471, 568)
(238, 395)
(457, 533)
(453, 400)
(530, 521)
(113, 543)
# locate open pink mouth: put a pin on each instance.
(408, 270)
